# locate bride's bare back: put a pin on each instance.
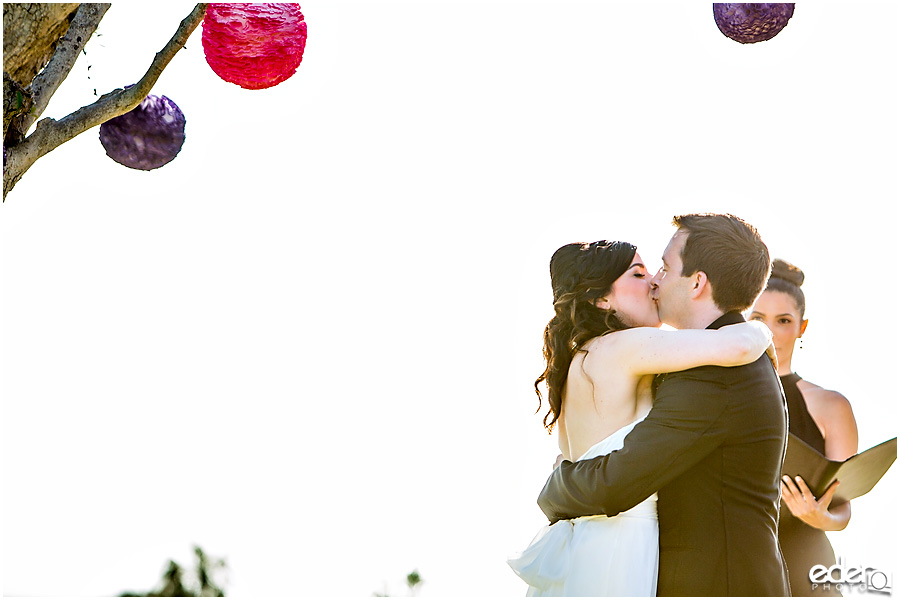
(598, 404)
(609, 380)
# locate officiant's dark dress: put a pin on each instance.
(803, 546)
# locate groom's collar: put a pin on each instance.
(729, 318)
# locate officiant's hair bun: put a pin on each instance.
(782, 269)
(788, 278)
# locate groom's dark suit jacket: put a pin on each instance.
(712, 448)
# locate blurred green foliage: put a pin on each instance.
(173, 582)
(413, 582)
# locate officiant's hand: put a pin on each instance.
(803, 505)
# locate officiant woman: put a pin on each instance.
(821, 418)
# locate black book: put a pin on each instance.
(858, 474)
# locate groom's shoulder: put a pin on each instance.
(755, 379)
(760, 370)
(710, 375)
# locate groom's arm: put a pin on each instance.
(683, 427)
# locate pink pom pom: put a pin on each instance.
(255, 46)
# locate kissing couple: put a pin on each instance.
(672, 441)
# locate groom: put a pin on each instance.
(713, 444)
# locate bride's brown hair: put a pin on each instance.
(580, 274)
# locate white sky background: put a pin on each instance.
(308, 344)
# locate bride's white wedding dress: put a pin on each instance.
(597, 555)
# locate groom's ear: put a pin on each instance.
(699, 285)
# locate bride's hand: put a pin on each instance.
(559, 460)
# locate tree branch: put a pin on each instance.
(49, 79)
(50, 134)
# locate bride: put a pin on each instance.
(602, 349)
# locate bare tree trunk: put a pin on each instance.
(30, 34)
(21, 110)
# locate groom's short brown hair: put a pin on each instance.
(730, 252)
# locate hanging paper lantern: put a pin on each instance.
(147, 137)
(750, 23)
(255, 46)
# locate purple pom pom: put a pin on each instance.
(147, 137)
(751, 23)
